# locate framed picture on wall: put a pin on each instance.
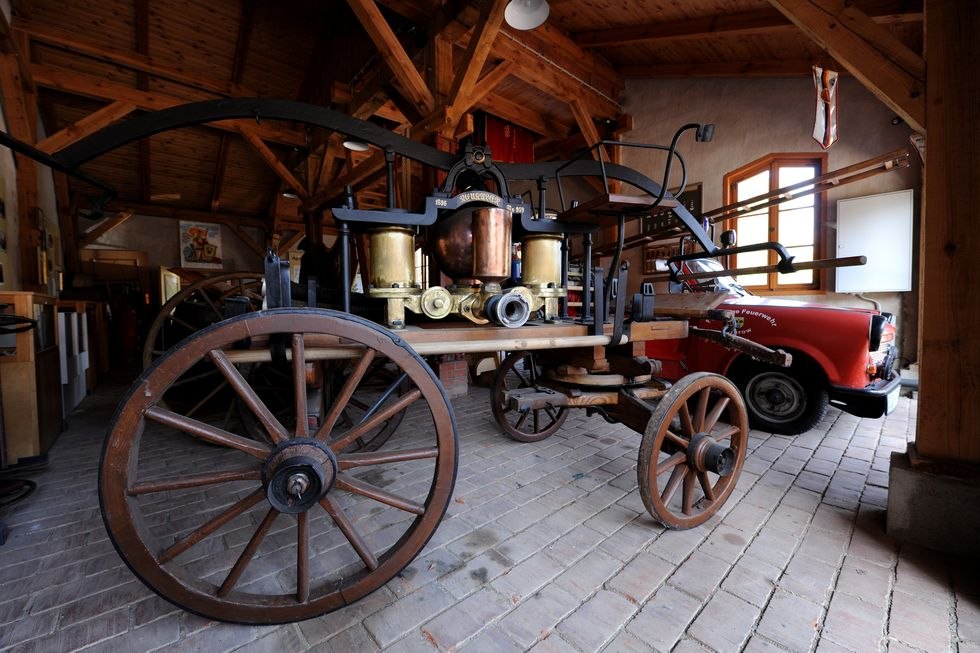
(200, 245)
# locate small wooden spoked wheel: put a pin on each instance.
(693, 449)
(522, 370)
(272, 532)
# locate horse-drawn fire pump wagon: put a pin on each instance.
(332, 456)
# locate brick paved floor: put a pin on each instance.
(546, 547)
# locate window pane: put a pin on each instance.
(796, 226)
(751, 260)
(753, 228)
(800, 255)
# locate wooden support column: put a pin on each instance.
(934, 488)
(949, 354)
(18, 111)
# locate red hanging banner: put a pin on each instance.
(825, 121)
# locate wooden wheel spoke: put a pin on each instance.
(345, 394)
(218, 388)
(357, 403)
(537, 421)
(551, 413)
(184, 380)
(681, 442)
(671, 462)
(303, 557)
(687, 426)
(380, 417)
(197, 480)
(299, 385)
(277, 432)
(701, 410)
(705, 481)
(521, 421)
(211, 526)
(210, 302)
(728, 433)
(183, 323)
(367, 458)
(357, 486)
(716, 411)
(524, 382)
(676, 476)
(248, 553)
(207, 432)
(688, 497)
(347, 528)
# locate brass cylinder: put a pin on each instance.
(392, 258)
(541, 260)
(491, 244)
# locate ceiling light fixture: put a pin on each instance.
(356, 146)
(526, 14)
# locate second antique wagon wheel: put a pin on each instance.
(195, 307)
(522, 370)
(693, 449)
(378, 384)
(199, 305)
(251, 532)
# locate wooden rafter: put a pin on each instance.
(889, 69)
(222, 217)
(255, 246)
(70, 41)
(102, 89)
(765, 21)
(104, 227)
(469, 68)
(88, 125)
(142, 33)
(756, 68)
(394, 54)
(272, 160)
(291, 242)
(237, 70)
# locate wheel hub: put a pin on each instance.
(776, 396)
(705, 454)
(297, 474)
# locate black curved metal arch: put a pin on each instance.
(195, 113)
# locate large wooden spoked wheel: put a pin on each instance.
(692, 450)
(522, 370)
(252, 532)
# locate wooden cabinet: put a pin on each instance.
(30, 378)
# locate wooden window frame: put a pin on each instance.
(772, 163)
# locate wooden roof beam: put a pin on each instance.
(177, 213)
(782, 68)
(394, 54)
(888, 68)
(469, 68)
(245, 21)
(99, 88)
(272, 160)
(88, 125)
(765, 21)
(104, 227)
(70, 41)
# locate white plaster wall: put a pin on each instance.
(756, 117)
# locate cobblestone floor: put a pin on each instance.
(546, 547)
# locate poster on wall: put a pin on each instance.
(200, 245)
